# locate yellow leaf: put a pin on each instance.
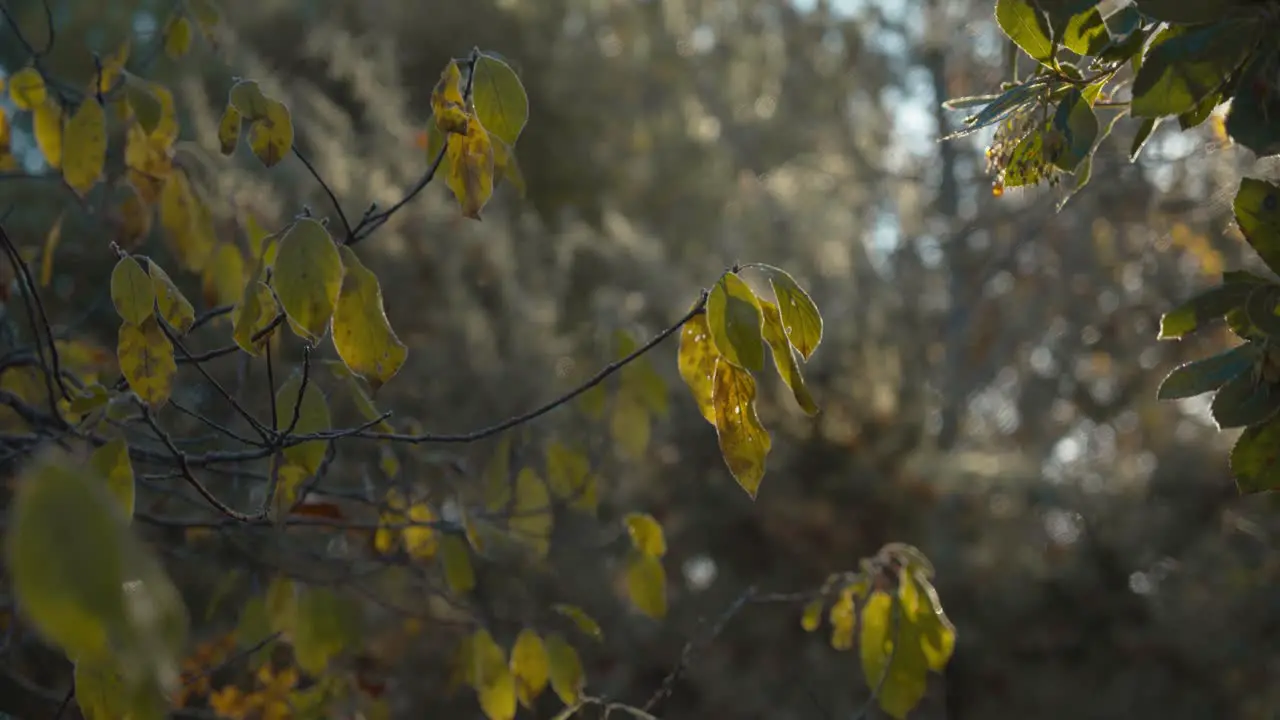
(447, 104)
(224, 275)
(85, 138)
(843, 618)
(186, 222)
(497, 476)
(458, 573)
(801, 321)
(313, 416)
(363, 402)
(581, 620)
(646, 534)
(229, 129)
(569, 475)
(499, 98)
(470, 175)
(247, 97)
(271, 136)
(387, 537)
(733, 318)
(744, 442)
(811, 618)
(132, 291)
(111, 461)
(146, 361)
(134, 217)
(258, 237)
(630, 425)
(254, 313)
(647, 585)
(166, 130)
(567, 678)
(697, 361)
(531, 517)
(27, 89)
(177, 37)
(362, 335)
(173, 305)
(47, 125)
(420, 539)
(922, 608)
(530, 666)
(893, 662)
(146, 107)
(308, 277)
(784, 357)
(112, 66)
(492, 678)
(289, 480)
(50, 244)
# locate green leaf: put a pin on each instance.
(1257, 209)
(326, 625)
(1255, 459)
(1262, 310)
(1001, 107)
(1209, 305)
(1201, 112)
(801, 321)
(1244, 401)
(733, 317)
(132, 291)
(500, 100)
(1084, 172)
(112, 463)
(892, 661)
(313, 417)
(1079, 128)
(308, 278)
(1251, 121)
(1141, 137)
(1026, 26)
(1181, 71)
(1027, 163)
(1187, 12)
(1201, 376)
(1086, 32)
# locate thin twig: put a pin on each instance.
(686, 654)
(185, 467)
(342, 217)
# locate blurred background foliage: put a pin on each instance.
(987, 376)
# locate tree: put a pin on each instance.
(91, 434)
(1194, 61)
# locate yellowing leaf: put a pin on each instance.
(177, 37)
(921, 607)
(254, 313)
(697, 361)
(147, 108)
(146, 360)
(569, 476)
(646, 534)
(895, 657)
(567, 678)
(47, 126)
(843, 618)
(733, 318)
(186, 222)
(271, 135)
(492, 678)
(166, 130)
(313, 416)
(530, 666)
(470, 174)
(499, 98)
(362, 335)
(229, 130)
(811, 618)
(784, 358)
(247, 97)
(458, 573)
(447, 104)
(531, 516)
(85, 138)
(111, 462)
(744, 442)
(630, 425)
(50, 244)
(581, 620)
(224, 275)
(132, 291)
(801, 321)
(27, 89)
(308, 277)
(420, 539)
(173, 305)
(112, 67)
(647, 585)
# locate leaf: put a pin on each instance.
(224, 275)
(894, 656)
(134, 218)
(308, 278)
(1180, 72)
(1261, 310)
(254, 313)
(784, 358)
(229, 129)
(697, 363)
(1201, 376)
(325, 625)
(282, 604)
(1079, 128)
(492, 679)
(1026, 26)
(1140, 139)
(497, 476)
(923, 609)
(569, 476)
(247, 97)
(647, 585)
(420, 539)
(1086, 33)
(581, 620)
(744, 442)
(505, 166)
(206, 15)
(187, 223)
(630, 425)
(132, 291)
(111, 462)
(811, 617)
(85, 138)
(499, 98)
(169, 300)
(1254, 458)
(1255, 104)
(733, 318)
(99, 691)
(1209, 305)
(146, 361)
(531, 519)
(1187, 12)
(1244, 401)
(47, 126)
(177, 37)
(458, 573)
(362, 335)
(1257, 209)
(843, 618)
(27, 89)
(312, 411)
(146, 107)
(1001, 106)
(471, 169)
(567, 678)
(271, 135)
(447, 104)
(530, 666)
(646, 534)
(639, 378)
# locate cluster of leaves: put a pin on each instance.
(100, 592)
(1180, 59)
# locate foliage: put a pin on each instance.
(1182, 59)
(101, 594)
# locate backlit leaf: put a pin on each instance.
(733, 317)
(420, 538)
(254, 313)
(172, 304)
(27, 89)
(271, 135)
(1257, 209)
(581, 620)
(1212, 304)
(801, 320)
(530, 666)
(46, 124)
(1180, 71)
(132, 291)
(456, 558)
(843, 618)
(85, 152)
(569, 476)
(492, 678)
(187, 222)
(567, 678)
(146, 107)
(922, 608)
(1187, 11)
(362, 334)
(313, 416)
(1255, 458)
(1201, 376)
(500, 100)
(229, 129)
(177, 37)
(224, 275)
(1255, 104)
(111, 462)
(471, 169)
(784, 358)
(744, 442)
(1026, 26)
(697, 363)
(146, 361)
(1243, 401)
(646, 534)
(895, 657)
(647, 585)
(447, 105)
(308, 277)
